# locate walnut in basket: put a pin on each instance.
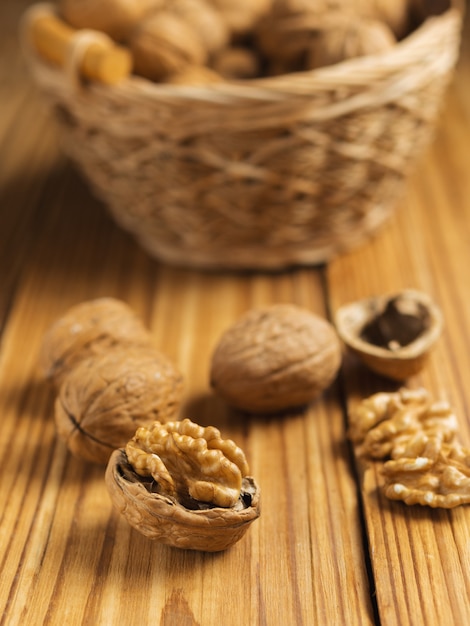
(206, 20)
(342, 37)
(183, 485)
(165, 44)
(116, 18)
(396, 14)
(275, 358)
(237, 63)
(242, 15)
(86, 329)
(106, 397)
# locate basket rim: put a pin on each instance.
(353, 73)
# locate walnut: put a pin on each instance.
(396, 14)
(189, 461)
(392, 334)
(114, 17)
(431, 473)
(87, 329)
(183, 485)
(194, 75)
(342, 36)
(384, 424)
(275, 358)
(206, 20)
(237, 63)
(106, 397)
(242, 15)
(165, 44)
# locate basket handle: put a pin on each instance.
(87, 53)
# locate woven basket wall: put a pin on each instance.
(266, 173)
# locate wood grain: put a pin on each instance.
(328, 548)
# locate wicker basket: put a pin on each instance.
(262, 174)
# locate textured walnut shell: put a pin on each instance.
(206, 21)
(87, 329)
(164, 44)
(165, 520)
(105, 398)
(114, 17)
(195, 75)
(242, 15)
(342, 37)
(237, 63)
(275, 358)
(396, 14)
(402, 362)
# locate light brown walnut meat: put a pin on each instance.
(105, 398)
(88, 329)
(275, 358)
(384, 424)
(189, 461)
(430, 473)
(183, 485)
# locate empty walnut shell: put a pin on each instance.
(166, 520)
(392, 335)
(105, 398)
(87, 329)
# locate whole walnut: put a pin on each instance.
(396, 14)
(237, 63)
(242, 15)
(106, 397)
(165, 44)
(87, 329)
(197, 75)
(275, 358)
(343, 37)
(206, 20)
(113, 17)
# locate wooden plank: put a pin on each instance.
(420, 556)
(66, 557)
(301, 559)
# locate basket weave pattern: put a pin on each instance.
(261, 174)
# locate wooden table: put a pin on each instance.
(328, 547)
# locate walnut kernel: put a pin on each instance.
(384, 424)
(183, 485)
(189, 461)
(437, 479)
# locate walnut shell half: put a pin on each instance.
(392, 335)
(166, 520)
